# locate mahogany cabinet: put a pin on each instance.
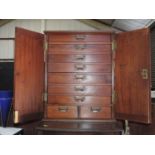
(82, 76)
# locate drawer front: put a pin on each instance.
(102, 58)
(92, 78)
(55, 37)
(79, 48)
(95, 112)
(62, 111)
(78, 100)
(99, 90)
(79, 67)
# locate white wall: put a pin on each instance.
(67, 24)
(6, 49)
(38, 25)
(8, 31)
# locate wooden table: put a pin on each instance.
(48, 127)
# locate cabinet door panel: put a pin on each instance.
(81, 78)
(79, 67)
(132, 74)
(95, 58)
(99, 90)
(62, 111)
(28, 76)
(78, 37)
(78, 100)
(95, 112)
(79, 48)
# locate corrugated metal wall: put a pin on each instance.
(8, 30)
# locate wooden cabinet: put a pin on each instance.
(82, 76)
(79, 56)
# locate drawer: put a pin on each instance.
(78, 100)
(95, 112)
(67, 37)
(79, 67)
(79, 48)
(62, 111)
(94, 90)
(102, 58)
(89, 78)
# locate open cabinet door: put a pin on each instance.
(132, 76)
(28, 76)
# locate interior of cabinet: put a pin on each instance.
(79, 75)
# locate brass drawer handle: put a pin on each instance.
(80, 66)
(80, 47)
(95, 109)
(63, 109)
(79, 88)
(79, 98)
(79, 76)
(80, 57)
(80, 37)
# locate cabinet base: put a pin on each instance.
(78, 127)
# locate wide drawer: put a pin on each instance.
(62, 111)
(58, 37)
(78, 100)
(92, 78)
(79, 48)
(102, 58)
(99, 90)
(95, 112)
(79, 67)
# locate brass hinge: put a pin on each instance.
(16, 117)
(45, 50)
(45, 97)
(114, 45)
(114, 96)
(45, 45)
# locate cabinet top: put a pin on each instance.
(79, 32)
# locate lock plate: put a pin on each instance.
(144, 73)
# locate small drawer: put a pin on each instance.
(95, 112)
(79, 48)
(62, 112)
(78, 89)
(78, 100)
(80, 78)
(95, 58)
(79, 67)
(78, 37)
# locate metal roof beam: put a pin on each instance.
(97, 25)
(111, 25)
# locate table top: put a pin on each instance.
(78, 126)
(9, 130)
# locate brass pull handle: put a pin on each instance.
(63, 109)
(79, 88)
(79, 76)
(95, 109)
(79, 98)
(80, 66)
(80, 37)
(80, 47)
(144, 74)
(80, 57)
